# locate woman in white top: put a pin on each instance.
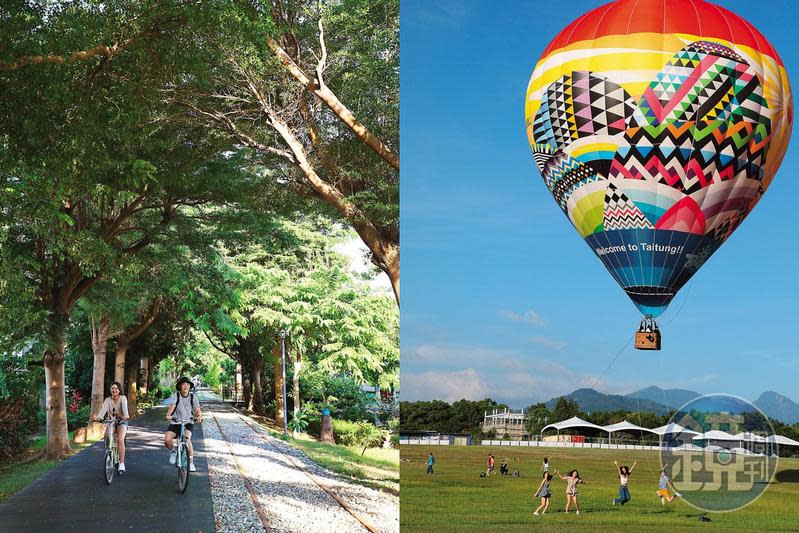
(116, 407)
(624, 477)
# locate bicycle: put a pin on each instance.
(111, 462)
(182, 455)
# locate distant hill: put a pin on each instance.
(773, 404)
(590, 400)
(779, 407)
(674, 398)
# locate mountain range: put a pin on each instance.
(660, 401)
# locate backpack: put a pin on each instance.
(191, 401)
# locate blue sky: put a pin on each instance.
(501, 297)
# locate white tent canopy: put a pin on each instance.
(688, 447)
(672, 429)
(750, 437)
(715, 435)
(626, 426)
(573, 422)
(785, 441)
(741, 451)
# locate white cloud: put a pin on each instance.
(528, 317)
(449, 386)
(449, 14)
(549, 343)
(464, 355)
(504, 375)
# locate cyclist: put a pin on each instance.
(181, 406)
(116, 406)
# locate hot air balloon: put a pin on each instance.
(657, 125)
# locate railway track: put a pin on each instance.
(259, 433)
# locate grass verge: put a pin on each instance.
(21, 473)
(378, 468)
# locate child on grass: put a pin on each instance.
(624, 477)
(572, 480)
(663, 489)
(544, 493)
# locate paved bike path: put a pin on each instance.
(74, 496)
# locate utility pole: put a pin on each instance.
(283, 368)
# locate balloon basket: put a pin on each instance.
(648, 335)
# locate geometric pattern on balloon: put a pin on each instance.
(724, 205)
(705, 120)
(652, 199)
(689, 156)
(578, 105)
(705, 81)
(727, 223)
(564, 174)
(621, 213)
(586, 207)
(685, 216)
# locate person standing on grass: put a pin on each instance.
(572, 480)
(546, 464)
(490, 464)
(663, 489)
(544, 493)
(430, 462)
(624, 477)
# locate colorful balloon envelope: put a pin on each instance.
(657, 126)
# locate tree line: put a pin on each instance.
(175, 179)
(465, 416)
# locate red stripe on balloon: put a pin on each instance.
(695, 17)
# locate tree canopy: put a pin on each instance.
(172, 184)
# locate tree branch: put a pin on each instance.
(331, 100)
(217, 347)
(107, 52)
(146, 321)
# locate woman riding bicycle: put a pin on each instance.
(181, 406)
(116, 406)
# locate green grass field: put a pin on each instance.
(18, 475)
(456, 498)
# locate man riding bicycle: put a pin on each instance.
(181, 406)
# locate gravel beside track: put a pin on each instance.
(288, 498)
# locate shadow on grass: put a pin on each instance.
(787, 476)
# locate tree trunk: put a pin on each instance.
(391, 266)
(247, 389)
(133, 392)
(279, 407)
(237, 383)
(57, 435)
(145, 375)
(119, 365)
(149, 373)
(258, 393)
(295, 385)
(99, 347)
(326, 432)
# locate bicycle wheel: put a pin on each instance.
(108, 467)
(183, 468)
